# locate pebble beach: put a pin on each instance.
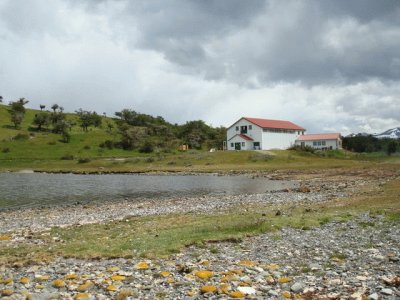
(353, 259)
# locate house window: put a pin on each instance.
(243, 129)
(323, 143)
(314, 143)
(232, 145)
(319, 143)
(250, 127)
(237, 128)
(243, 144)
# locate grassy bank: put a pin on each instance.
(27, 148)
(162, 235)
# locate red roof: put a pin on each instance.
(319, 136)
(278, 124)
(245, 137)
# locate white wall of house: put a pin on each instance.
(244, 144)
(279, 140)
(267, 138)
(322, 144)
(253, 131)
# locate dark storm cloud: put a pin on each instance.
(329, 65)
(269, 41)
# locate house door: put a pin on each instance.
(237, 146)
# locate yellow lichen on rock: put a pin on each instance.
(111, 288)
(170, 280)
(5, 237)
(118, 278)
(165, 273)
(225, 288)
(24, 280)
(58, 283)
(82, 296)
(42, 277)
(39, 287)
(247, 263)
(286, 294)
(204, 274)
(208, 289)
(190, 293)
(284, 279)
(112, 269)
(142, 265)
(71, 276)
(84, 287)
(6, 292)
(272, 267)
(236, 295)
(8, 281)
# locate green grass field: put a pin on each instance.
(44, 151)
(161, 235)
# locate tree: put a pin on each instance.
(54, 107)
(41, 119)
(391, 147)
(131, 136)
(87, 118)
(42, 106)
(17, 111)
(1, 99)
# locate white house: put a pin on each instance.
(262, 134)
(321, 140)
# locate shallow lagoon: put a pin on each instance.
(19, 190)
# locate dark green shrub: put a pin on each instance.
(5, 150)
(83, 160)
(300, 148)
(147, 147)
(107, 144)
(67, 157)
(149, 159)
(21, 137)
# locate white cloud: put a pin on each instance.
(326, 71)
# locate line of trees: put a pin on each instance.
(369, 143)
(131, 130)
(145, 133)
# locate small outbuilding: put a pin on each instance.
(322, 141)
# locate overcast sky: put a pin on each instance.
(324, 65)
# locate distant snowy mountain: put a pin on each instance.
(358, 134)
(393, 133)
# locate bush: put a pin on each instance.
(87, 147)
(149, 159)
(67, 157)
(21, 137)
(147, 147)
(300, 148)
(107, 144)
(83, 160)
(5, 150)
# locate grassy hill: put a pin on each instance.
(27, 148)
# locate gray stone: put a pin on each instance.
(373, 296)
(387, 291)
(298, 287)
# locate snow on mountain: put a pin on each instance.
(393, 133)
(358, 134)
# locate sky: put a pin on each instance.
(328, 66)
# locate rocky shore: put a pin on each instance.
(356, 259)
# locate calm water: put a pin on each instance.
(35, 190)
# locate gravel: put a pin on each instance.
(338, 260)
